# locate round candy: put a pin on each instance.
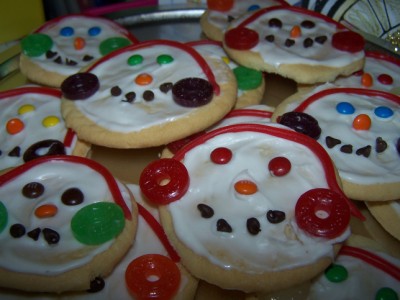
(67, 31)
(245, 187)
(336, 273)
(95, 30)
(164, 180)
(345, 108)
(192, 92)
(164, 59)
(98, 223)
(367, 80)
(385, 79)
(50, 121)
(72, 196)
(301, 122)
(322, 213)
(247, 78)
(36, 44)
(33, 190)
(349, 41)
(14, 126)
(220, 5)
(144, 79)
(383, 112)
(111, 44)
(52, 147)
(279, 166)
(135, 59)
(79, 43)
(3, 217)
(26, 109)
(362, 122)
(386, 293)
(80, 86)
(241, 38)
(46, 211)
(152, 276)
(221, 155)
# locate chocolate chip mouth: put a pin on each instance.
(380, 146)
(51, 236)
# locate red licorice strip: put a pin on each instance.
(295, 9)
(69, 137)
(115, 26)
(383, 56)
(196, 56)
(308, 142)
(240, 112)
(159, 231)
(372, 259)
(358, 91)
(30, 90)
(112, 184)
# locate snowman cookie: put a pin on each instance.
(65, 223)
(225, 203)
(294, 43)
(359, 128)
(160, 260)
(376, 272)
(219, 14)
(251, 83)
(64, 45)
(148, 94)
(380, 72)
(32, 126)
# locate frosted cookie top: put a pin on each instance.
(380, 72)
(360, 129)
(45, 205)
(232, 187)
(377, 272)
(66, 44)
(31, 121)
(149, 84)
(291, 35)
(222, 13)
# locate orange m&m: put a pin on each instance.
(295, 32)
(46, 211)
(362, 122)
(79, 43)
(143, 79)
(245, 187)
(366, 80)
(15, 126)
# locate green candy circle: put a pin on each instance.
(164, 59)
(3, 217)
(111, 44)
(248, 79)
(98, 223)
(36, 44)
(135, 59)
(336, 273)
(386, 293)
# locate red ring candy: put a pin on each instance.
(349, 41)
(152, 276)
(241, 38)
(80, 86)
(164, 180)
(322, 213)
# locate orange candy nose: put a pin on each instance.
(79, 43)
(246, 187)
(143, 79)
(295, 32)
(46, 211)
(362, 122)
(366, 80)
(14, 126)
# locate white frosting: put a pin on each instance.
(38, 257)
(116, 115)
(44, 106)
(220, 19)
(261, 115)
(213, 185)
(64, 45)
(375, 67)
(363, 281)
(378, 167)
(276, 53)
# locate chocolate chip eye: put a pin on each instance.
(301, 122)
(192, 92)
(275, 23)
(72, 196)
(33, 190)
